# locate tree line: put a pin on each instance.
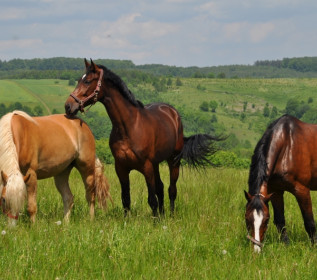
(303, 64)
(72, 68)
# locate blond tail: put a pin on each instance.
(102, 185)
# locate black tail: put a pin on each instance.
(197, 149)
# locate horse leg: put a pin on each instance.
(123, 176)
(303, 198)
(159, 189)
(172, 190)
(88, 177)
(148, 173)
(62, 185)
(31, 187)
(277, 201)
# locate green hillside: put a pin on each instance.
(244, 106)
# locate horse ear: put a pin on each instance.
(26, 178)
(267, 198)
(94, 67)
(4, 177)
(247, 196)
(86, 63)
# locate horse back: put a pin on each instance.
(164, 125)
(50, 143)
(292, 156)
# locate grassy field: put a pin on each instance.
(206, 239)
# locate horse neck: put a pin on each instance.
(120, 111)
(8, 153)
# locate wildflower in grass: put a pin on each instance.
(224, 252)
(3, 232)
(165, 227)
(58, 223)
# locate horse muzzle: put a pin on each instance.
(71, 108)
(255, 242)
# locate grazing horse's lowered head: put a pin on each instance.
(257, 217)
(13, 194)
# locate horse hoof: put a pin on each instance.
(285, 240)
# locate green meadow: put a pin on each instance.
(205, 239)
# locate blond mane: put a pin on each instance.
(8, 155)
(9, 162)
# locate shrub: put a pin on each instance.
(229, 159)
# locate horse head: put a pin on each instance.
(87, 91)
(9, 200)
(257, 217)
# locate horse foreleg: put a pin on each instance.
(277, 201)
(31, 187)
(62, 185)
(303, 198)
(172, 190)
(123, 176)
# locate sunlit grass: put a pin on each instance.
(205, 239)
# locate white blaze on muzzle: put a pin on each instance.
(258, 218)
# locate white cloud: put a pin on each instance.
(177, 32)
(129, 32)
(20, 44)
(11, 14)
(244, 31)
(214, 9)
(261, 31)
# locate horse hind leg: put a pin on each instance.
(159, 189)
(89, 181)
(172, 190)
(123, 176)
(62, 185)
(303, 198)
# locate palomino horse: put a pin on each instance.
(285, 159)
(42, 147)
(141, 136)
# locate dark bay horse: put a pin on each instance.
(141, 136)
(285, 159)
(33, 148)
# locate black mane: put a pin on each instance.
(117, 82)
(258, 168)
(256, 203)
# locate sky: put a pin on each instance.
(171, 32)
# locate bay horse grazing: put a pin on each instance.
(33, 148)
(285, 159)
(141, 136)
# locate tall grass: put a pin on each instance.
(205, 239)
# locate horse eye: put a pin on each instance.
(86, 82)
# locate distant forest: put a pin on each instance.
(72, 68)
